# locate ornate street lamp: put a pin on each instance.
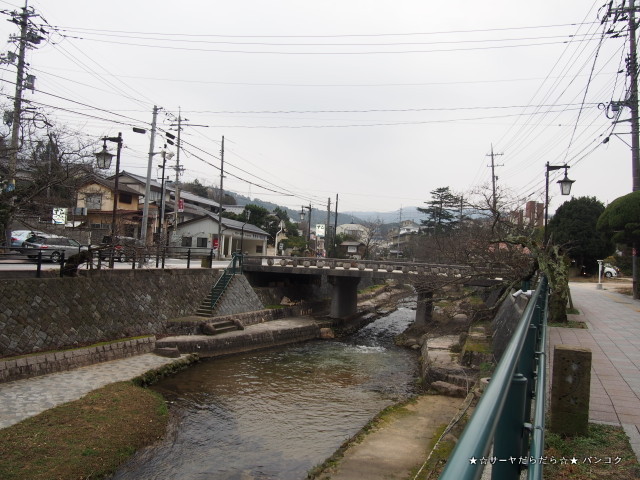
(103, 160)
(565, 189)
(302, 214)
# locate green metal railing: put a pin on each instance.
(235, 266)
(502, 418)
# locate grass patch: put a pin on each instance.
(605, 444)
(573, 311)
(569, 324)
(87, 438)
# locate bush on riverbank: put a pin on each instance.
(87, 438)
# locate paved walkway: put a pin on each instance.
(22, 399)
(613, 336)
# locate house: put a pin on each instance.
(201, 230)
(351, 249)
(193, 224)
(95, 198)
(401, 238)
(353, 230)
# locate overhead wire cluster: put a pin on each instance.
(527, 119)
(565, 86)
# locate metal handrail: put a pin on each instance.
(235, 266)
(499, 419)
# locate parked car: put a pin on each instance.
(51, 246)
(124, 248)
(19, 236)
(610, 271)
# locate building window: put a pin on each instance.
(352, 249)
(125, 198)
(186, 241)
(258, 248)
(201, 241)
(93, 201)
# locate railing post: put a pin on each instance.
(61, 264)
(527, 366)
(188, 258)
(508, 442)
(164, 254)
(39, 266)
(211, 258)
(133, 260)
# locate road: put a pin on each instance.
(20, 263)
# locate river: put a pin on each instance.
(275, 414)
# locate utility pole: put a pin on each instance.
(327, 233)
(335, 228)
(26, 39)
(178, 170)
(17, 100)
(220, 199)
(147, 188)
(494, 201)
(633, 96)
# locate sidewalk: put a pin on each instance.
(613, 336)
(25, 398)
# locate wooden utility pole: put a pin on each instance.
(220, 199)
(147, 187)
(494, 201)
(327, 230)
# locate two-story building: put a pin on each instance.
(195, 223)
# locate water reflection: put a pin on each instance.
(275, 414)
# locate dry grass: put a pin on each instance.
(87, 438)
(604, 454)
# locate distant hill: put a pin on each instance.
(320, 216)
(408, 213)
(317, 216)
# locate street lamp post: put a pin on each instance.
(103, 159)
(302, 219)
(565, 189)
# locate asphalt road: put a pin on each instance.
(17, 262)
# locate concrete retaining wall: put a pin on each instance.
(271, 334)
(192, 327)
(239, 297)
(53, 313)
(32, 365)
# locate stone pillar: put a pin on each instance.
(570, 390)
(344, 297)
(424, 310)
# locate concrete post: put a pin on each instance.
(570, 390)
(344, 298)
(424, 310)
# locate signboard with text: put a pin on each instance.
(320, 230)
(59, 216)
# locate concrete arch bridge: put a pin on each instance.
(344, 275)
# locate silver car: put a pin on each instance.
(52, 247)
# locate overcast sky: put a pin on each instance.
(378, 101)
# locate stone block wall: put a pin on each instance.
(239, 297)
(41, 314)
(32, 365)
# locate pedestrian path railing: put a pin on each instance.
(506, 430)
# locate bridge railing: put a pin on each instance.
(502, 432)
(347, 263)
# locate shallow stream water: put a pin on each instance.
(275, 414)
